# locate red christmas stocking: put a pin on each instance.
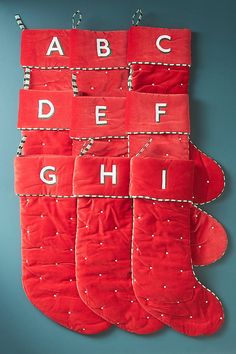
(44, 182)
(162, 216)
(159, 62)
(165, 284)
(104, 228)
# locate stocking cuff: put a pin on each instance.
(163, 46)
(106, 177)
(44, 110)
(157, 113)
(46, 175)
(98, 117)
(163, 180)
(45, 48)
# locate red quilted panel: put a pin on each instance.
(165, 284)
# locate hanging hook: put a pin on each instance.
(76, 19)
(20, 22)
(137, 17)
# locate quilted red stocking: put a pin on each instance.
(165, 284)
(43, 179)
(162, 216)
(103, 244)
(159, 61)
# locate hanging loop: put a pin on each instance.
(20, 22)
(76, 19)
(137, 17)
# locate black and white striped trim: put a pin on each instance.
(102, 68)
(101, 137)
(20, 22)
(157, 133)
(21, 145)
(86, 148)
(46, 195)
(48, 129)
(26, 83)
(144, 147)
(161, 199)
(74, 85)
(46, 67)
(158, 63)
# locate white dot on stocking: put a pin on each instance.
(164, 286)
(199, 246)
(100, 275)
(206, 301)
(101, 211)
(45, 85)
(57, 233)
(71, 249)
(56, 200)
(167, 252)
(116, 260)
(131, 301)
(153, 84)
(162, 315)
(41, 216)
(40, 278)
(221, 318)
(43, 144)
(153, 235)
(115, 290)
(181, 84)
(85, 291)
(140, 69)
(168, 220)
(71, 280)
(208, 181)
(212, 227)
(148, 317)
(105, 72)
(116, 227)
(55, 295)
(85, 258)
(190, 316)
(100, 243)
(69, 312)
(92, 88)
(121, 88)
(153, 203)
(150, 267)
(102, 308)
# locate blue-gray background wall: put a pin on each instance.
(23, 329)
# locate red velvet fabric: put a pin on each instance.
(35, 44)
(165, 285)
(110, 116)
(96, 82)
(142, 45)
(174, 116)
(29, 101)
(85, 53)
(160, 78)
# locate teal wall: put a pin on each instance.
(23, 329)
